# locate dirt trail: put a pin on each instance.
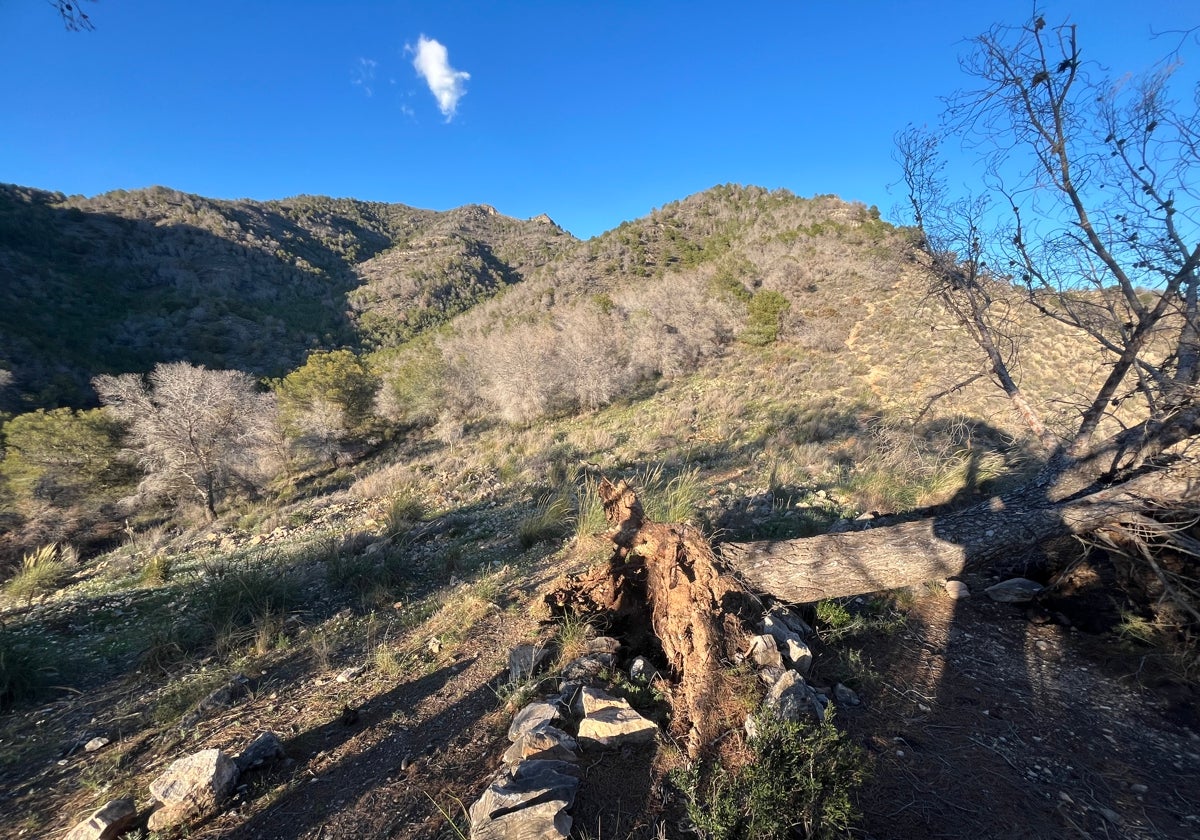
(985, 725)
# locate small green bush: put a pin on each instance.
(23, 668)
(766, 309)
(798, 784)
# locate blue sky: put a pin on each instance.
(593, 113)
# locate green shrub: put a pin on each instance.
(766, 309)
(798, 783)
(42, 571)
(23, 668)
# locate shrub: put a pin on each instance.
(22, 670)
(798, 782)
(766, 310)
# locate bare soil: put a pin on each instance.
(977, 721)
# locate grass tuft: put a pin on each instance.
(42, 571)
(551, 518)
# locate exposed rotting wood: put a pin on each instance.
(698, 613)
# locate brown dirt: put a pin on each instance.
(1007, 729)
(984, 724)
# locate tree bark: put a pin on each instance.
(908, 553)
(697, 612)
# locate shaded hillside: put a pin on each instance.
(124, 280)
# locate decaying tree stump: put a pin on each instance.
(698, 613)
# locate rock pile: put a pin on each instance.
(532, 794)
(189, 789)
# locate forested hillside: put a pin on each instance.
(121, 281)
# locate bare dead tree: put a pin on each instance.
(1087, 213)
(73, 17)
(199, 430)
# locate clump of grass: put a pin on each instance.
(668, 500)
(798, 781)
(234, 604)
(387, 660)
(591, 518)
(404, 510)
(42, 571)
(551, 518)
(157, 570)
(572, 637)
(844, 618)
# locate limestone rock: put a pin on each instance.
(780, 632)
(351, 674)
(642, 670)
(764, 652)
(791, 621)
(603, 644)
(97, 743)
(192, 786)
(798, 654)
(589, 666)
(612, 722)
(526, 802)
(791, 698)
(596, 699)
(1014, 591)
(543, 742)
(957, 590)
(107, 822)
(264, 749)
(845, 695)
(532, 716)
(523, 661)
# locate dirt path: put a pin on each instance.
(985, 725)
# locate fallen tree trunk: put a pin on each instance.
(908, 553)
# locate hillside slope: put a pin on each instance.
(118, 282)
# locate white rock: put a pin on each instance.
(1014, 591)
(105, 823)
(532, 716)
(799, 654)
(957, 590)
(764, 652)
(192, 786)
(96, 744)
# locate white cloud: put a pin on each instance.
(364, 75)
(445, 83)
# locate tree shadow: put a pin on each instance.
(403, 765)
(989, 720)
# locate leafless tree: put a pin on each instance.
(193, 430)
(1087, 212)
(73, 17)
